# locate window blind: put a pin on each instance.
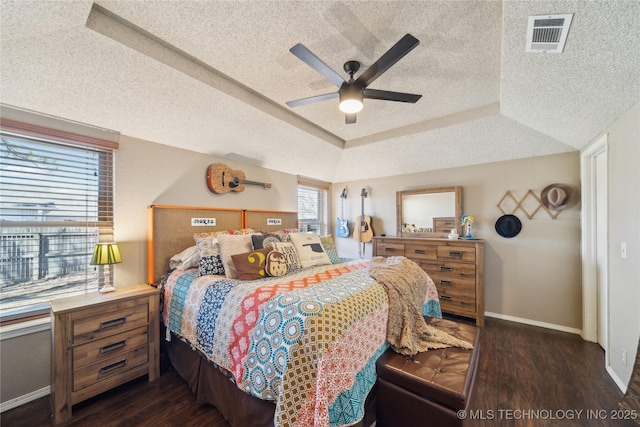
(56, 203)
(313, 206)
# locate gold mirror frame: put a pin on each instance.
(457, 190)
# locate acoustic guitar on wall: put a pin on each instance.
(222, 179)
(362, 231)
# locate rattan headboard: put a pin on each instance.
(265, 220)
(171, 230)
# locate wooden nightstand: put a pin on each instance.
(100, 341)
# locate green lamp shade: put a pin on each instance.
(106, 253)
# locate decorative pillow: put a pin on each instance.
(290, 254)
(186, 259)
(276, 264)
(309, 249)
(264, 240)
(209, 252)
(251, 265)
(218, 233)
(232, 245)
(330, 248)
(285, 233)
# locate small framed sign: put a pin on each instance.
(203, 222)
(274, 221)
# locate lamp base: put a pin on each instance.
(106, 289)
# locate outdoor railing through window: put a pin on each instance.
(56, 203)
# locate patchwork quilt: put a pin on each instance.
(308, 340)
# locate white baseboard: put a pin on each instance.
(534, 323)
(616, 379)
(26, 398)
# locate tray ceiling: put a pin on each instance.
(214, 77)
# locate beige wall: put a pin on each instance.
(154, 174)
(534, 276)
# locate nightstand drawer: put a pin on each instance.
(109, 367)
(117, 318)
(98, 350)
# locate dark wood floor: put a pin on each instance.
(527, 376)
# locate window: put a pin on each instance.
(313, 208)
(56, 204)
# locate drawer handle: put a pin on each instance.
(446, 297)
(446, 282)
(455, 253)
(113, 323)
(113, 366)
(390, 249)
(420, 251)
(112, 347)
(443, 268)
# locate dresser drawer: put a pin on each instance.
(453, 302)
(389, 249)
(112, 320)
(98, 350)
(450, 269)
(457, 253)
(420, 251)
(109, 367)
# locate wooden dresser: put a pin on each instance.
(456, 267)
(100, 341)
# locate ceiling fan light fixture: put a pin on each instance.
(350, 99)
(350, 106)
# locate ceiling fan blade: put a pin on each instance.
(390, 57)
(316, 63)
(386, 95)
(350, 119)
(311, 99)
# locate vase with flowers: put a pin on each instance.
(467, 220)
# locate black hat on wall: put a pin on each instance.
(508, 226)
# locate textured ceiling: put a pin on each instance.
(214, 76)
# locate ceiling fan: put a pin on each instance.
(352, 92)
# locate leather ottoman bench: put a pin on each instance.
(430, 387)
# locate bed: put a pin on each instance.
(287, 350)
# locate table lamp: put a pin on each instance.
(106, 254)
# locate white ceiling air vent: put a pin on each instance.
(547, 33)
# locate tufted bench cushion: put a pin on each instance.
(430, 386)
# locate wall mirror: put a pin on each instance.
(428, 212)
